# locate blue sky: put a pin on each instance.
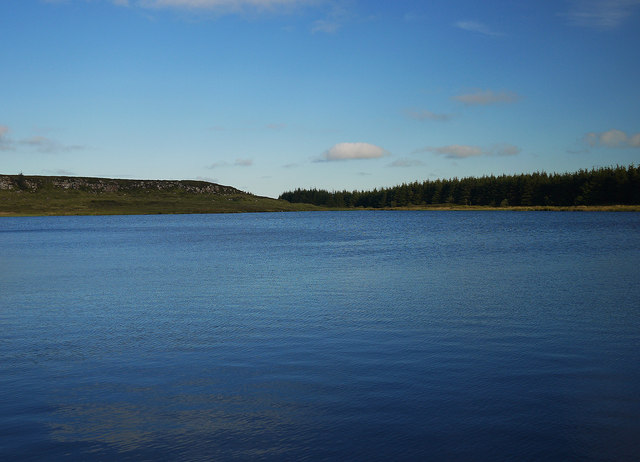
(270, 95)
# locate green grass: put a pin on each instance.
(62, 202)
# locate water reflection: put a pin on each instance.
(246, 424)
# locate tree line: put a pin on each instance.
(598, 186)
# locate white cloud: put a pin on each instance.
(347, 151)
(487, 97)
(426, 115)
(600, 14)
(612, 139)
(475, 26)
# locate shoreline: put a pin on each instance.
(302, 208)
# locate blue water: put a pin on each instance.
(321, 336)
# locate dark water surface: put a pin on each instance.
(327, 335)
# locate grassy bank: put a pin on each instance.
(41, 195)
(21, 203)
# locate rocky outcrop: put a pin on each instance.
(109, 185)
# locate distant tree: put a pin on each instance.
(21, 182)
(609, 185)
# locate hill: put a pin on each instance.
(61, 195)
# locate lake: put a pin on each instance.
(363, 335)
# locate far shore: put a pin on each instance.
(22, 195)
(302, 208)
(535, 208)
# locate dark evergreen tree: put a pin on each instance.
(602, 186)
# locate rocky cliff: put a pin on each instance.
(109, 185)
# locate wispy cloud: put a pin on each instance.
(221, 5)
(34, 143)
(334, 20)
(236, 163)
(426, 115)
(325, 25)
(350, 151)
(455, 151)
(243, 162)
(60, 171)
(478, 27)
(207, 179)
(612, 139)
(276, 126)
(406, 163)
(248, 127)
(48, 145)
(415, 17)
(462, 151)
(487, 97)
(5, 142)
(216, 165)
(504, 150)
(40, 143)
(336, 14)
(600, 14)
